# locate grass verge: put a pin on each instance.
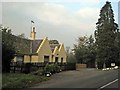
(19, 80)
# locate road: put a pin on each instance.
(85, 78)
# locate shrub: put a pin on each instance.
(38, 72)
(34, 69)
(57, 68)
(52, 68)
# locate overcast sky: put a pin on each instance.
(62, 20)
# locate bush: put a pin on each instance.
(34, 68)
(52, 68)
(56, 68)
(38, 72)
(48, 68)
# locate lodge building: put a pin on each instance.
(40, 51)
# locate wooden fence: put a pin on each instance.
(80, 66)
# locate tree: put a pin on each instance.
(80, 49)
(85, 51)
(105, 35)
(91, 53)
(67, 49)
(117, 46)
(118, 49)
(22, 35)
(71, 58)
(53, 42)
(7, 48)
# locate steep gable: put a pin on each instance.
(62, 50)
(62, 54)
(44, 46)
(53, 46)
(44, 50)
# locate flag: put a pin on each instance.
(32, 21)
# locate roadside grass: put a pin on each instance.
(0, 80)
(19, 80)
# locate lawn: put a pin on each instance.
(19, 80)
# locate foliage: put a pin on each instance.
(7, 48)
(52, 68)
(11, 45)
(67, 49)
(38, 72)
(105, 35)
(22, 35)
(85, 50)
(80, 49)
(117, 45)
(71, 58)
(53, 42)
(16, 80)
(20, 43)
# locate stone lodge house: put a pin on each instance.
(39, 50)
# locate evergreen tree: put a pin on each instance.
(105, 35)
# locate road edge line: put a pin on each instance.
(107, 84)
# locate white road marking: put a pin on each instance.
(107, 84)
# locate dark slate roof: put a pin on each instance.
(53, 46)
(22, 46)
(25, 46)
(35, 45)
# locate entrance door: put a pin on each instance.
(46, 59)
(62, 60)
(56, 59)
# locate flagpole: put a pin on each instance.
(32, 25)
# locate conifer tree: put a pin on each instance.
(105, 35)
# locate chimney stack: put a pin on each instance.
(33, 33)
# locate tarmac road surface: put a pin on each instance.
(85, 78)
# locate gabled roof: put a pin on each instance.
(35, 45)
(25, 46)
(21, 45)
(53, 46)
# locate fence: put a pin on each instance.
(29, 67)
(80, 66)
(25, 67)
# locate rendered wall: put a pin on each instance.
(34, 59)
(44, 50)
(26, 59)
(62, 54)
